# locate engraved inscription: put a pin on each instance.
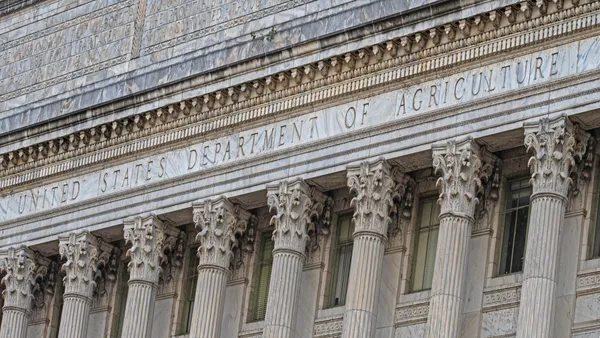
(287, 134)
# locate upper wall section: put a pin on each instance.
(60, 57)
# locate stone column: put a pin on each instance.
(149, 238)
(555, 145)
(21, 270)
(219, 222)
(373, 185)
(460, 166)
(81, 253)
(295, 209)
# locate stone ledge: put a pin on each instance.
(205, 104)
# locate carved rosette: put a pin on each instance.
(459, 164)
(221, 225)
(148, 238)
(375, 188)
(556, 145)
(21, 270)
(295, 212)
(81, 254)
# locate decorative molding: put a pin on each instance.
(581, 176)
(319, 232)
(242, 252)
(105, 276)
(46, 293)
(329, 327)
(172, 266)
(402, 210)
(588, 283)
(199, 116)
(411, 314)
(491, 178)
(502, 298)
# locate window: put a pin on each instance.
(122, 301)
(514, 234)
(426, 238)
(595, 233)
(340, 261)
(264, 277)
(191, 280)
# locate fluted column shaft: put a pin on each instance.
(139, 312)
(373, 185)
(556, 145)
(282, 304)
(217, 222)
(363, 288)
(209, 302)
(14, 323)
(538, 296)
(460, 165)
(449, 277)
(75, 316)
(297, 206)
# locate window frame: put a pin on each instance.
(416, 235)
(190, 284)
(508, 193)
(334, 258)
(265, 237)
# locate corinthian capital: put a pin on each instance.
(556, 144)
(295, 211)
(81, 252)
(459, 164)
(149, 237)
(375, 184)
(21, 271)
(220, 223)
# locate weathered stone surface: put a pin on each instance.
(114, 109)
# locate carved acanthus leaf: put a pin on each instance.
(556, 146)
(374, 186)
(149, 238)
(21, 271)
(81, 254)
(220, 223)
(296, 210)
(459, 164)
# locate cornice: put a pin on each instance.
(221, 169)
(397, 61)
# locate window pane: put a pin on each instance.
(421, 256)
(520, 240)
(514, 234)
(341, 259)
(264, 277)
(430, 261)
(425, 214)
(191, 281)
(425, 244)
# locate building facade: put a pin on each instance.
(300, 168)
